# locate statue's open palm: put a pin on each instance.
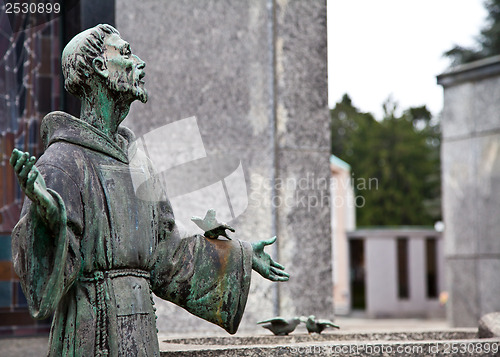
(263, 264)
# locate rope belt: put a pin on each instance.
(98, 278)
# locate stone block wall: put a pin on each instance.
(254, 75)
(471, 188)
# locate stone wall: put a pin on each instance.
(254, 75)
(471, 188)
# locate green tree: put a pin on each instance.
(346, 120)
(488, 41)
(395, 162)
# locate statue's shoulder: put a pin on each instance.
(62, 158)
(57, 130)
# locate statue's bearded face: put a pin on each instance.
(126, 70)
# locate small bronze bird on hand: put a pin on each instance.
(212, 228)
(280, 326)
(317, 325)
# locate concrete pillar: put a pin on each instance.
(471, 188)
(254, 75)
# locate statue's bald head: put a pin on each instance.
(78, 56)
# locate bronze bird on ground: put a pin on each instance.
(317, 325)
(280, 326)
(212, 228)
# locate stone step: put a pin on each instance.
(451, 342)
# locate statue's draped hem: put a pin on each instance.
(210, 278)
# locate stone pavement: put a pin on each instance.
(352, 324)
(23, 346)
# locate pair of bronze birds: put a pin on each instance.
(281, 326)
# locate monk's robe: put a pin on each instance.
(113, 244)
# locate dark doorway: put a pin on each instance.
(403, 270)
(357, 273)
(431, 267)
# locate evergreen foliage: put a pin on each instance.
(487, 43)
(395, 163)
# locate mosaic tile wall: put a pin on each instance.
(30, 87)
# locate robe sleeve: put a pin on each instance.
(209, 278)
(47, 261)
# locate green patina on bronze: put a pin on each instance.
(89, 250)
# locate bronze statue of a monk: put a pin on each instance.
(88, 249)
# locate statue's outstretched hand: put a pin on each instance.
(263, 264)
(33, 185)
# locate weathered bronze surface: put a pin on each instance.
(88, 249)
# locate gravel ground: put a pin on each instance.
(23, 346)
